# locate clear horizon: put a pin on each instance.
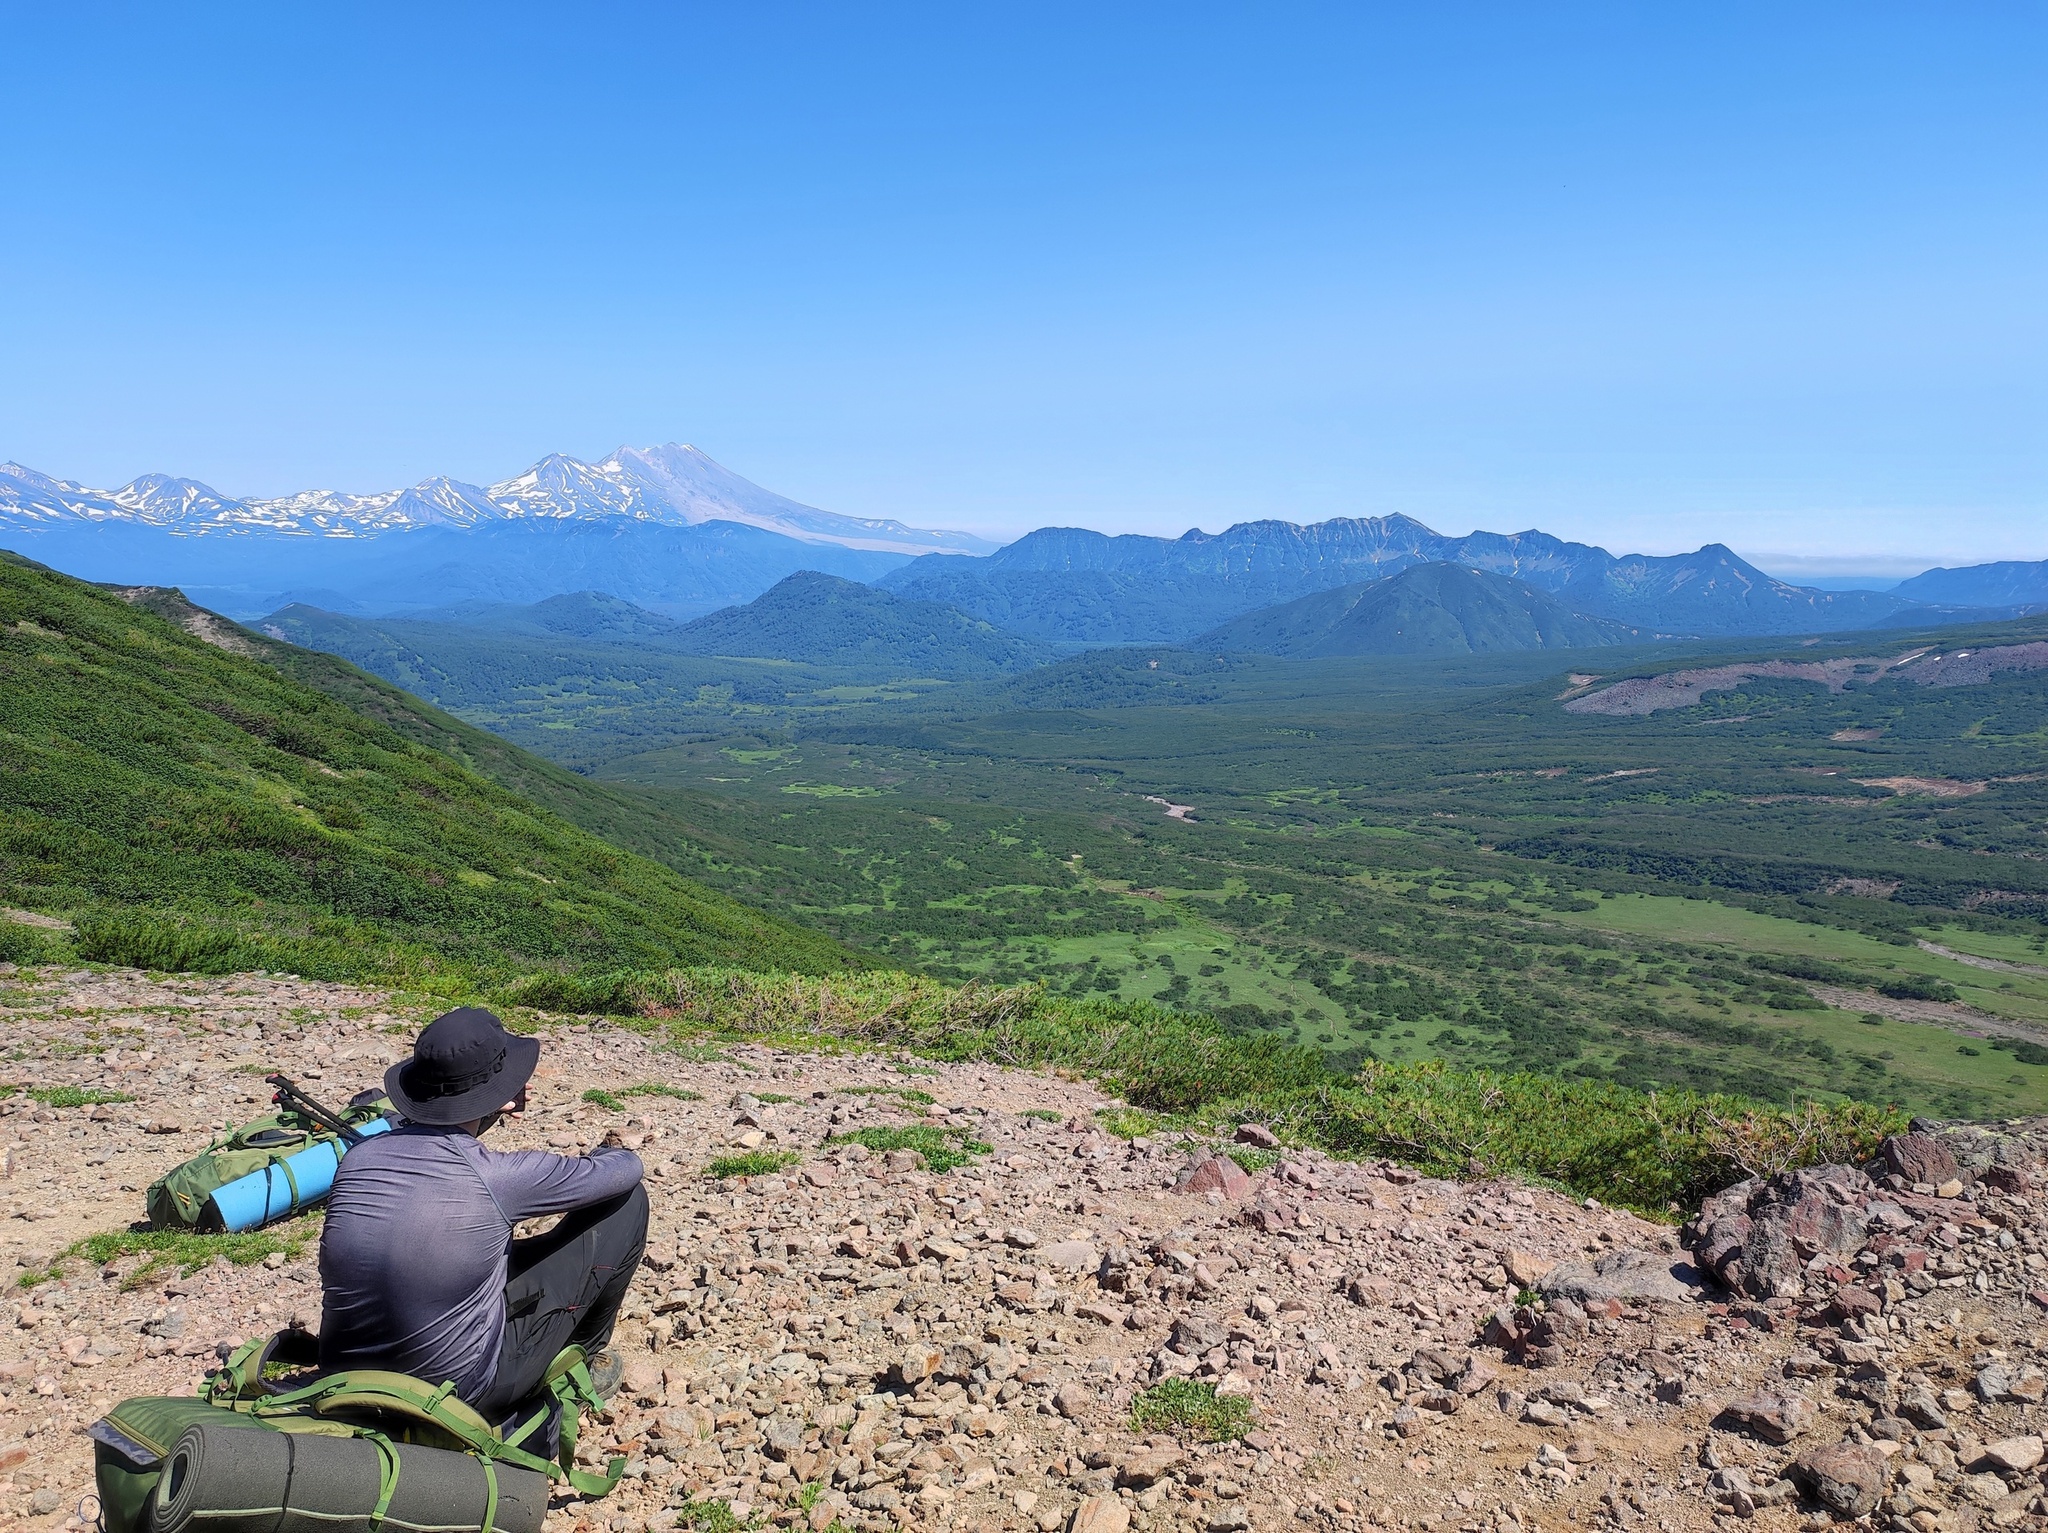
(1644, 281)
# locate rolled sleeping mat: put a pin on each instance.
(229, 1479)
(287, 1185)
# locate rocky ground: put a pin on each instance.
(858, 1338)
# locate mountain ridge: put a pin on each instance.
(1076, 585)
(674, 484)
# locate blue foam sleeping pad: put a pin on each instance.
(292, 1183)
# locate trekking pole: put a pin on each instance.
(289, 1095)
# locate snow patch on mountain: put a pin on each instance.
(673, 484)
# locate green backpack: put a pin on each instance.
(411, 1424)
(178, 1200)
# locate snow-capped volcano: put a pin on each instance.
(673, 484)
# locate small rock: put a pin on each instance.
(1919, 1406)
(918, 1364)
(1525, 1270)
(1141, 1469)
(1071, 1255)
(2014, 1455)
(1992, 1384)
(1100, 1514)
(1072, 1400)
(642, 1380)
(1626, 1274)
(1777, 1417)
(1257, 1134)
(1847, 1478)
(1192, 1335)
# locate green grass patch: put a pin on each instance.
(1251, 1159)
(1196, 1410)
(905, 1093)
(1124, 1122)
(614, 1100)
(68, 1096)
(943, 1149)
(752, 1163)
(709, 1517)
(696, 1053)
(179, 1249)
(772, 1098)
(1046, 1115)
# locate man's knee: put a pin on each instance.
(622, 1230)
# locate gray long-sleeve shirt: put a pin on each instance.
(413, 1255)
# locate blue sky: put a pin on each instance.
(1648, 276)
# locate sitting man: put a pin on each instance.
(419, 1269)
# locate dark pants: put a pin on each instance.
(565, 1287)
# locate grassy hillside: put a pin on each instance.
(191, 805)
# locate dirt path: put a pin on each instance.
(1950, 1014)
(1996, 965)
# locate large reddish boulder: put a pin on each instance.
(1220, 1174)
(1918, 1158)
(1759, 1236)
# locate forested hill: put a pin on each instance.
(1427, 609)
(169, 783)
(823, 620)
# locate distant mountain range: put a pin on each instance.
(2006, 584)
(673, 485)
(669, 531)
(665, 527)
(1427, 609)
(1066, 584)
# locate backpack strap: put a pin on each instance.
(568, 1381)
(490, 1496)
(283, 1163)
(387, 1476)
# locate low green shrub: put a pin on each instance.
(751, 1163)
(1651, 1151)
(708, 1517)
(1919, 987)
(1182, 1405)
(22, 943)
(169, 942)
(943, 1149)
(1643, 1150)
(68, 1096)
(614, 1101)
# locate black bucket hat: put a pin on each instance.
(464, 1066)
